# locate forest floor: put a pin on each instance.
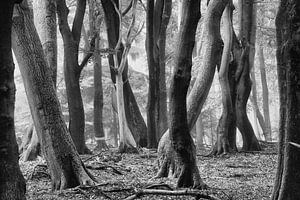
(238, 176)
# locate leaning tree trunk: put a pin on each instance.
(250, 142)
(182, 143)
(45, 23)
(158, 15)
(222, 145)
(72, 70)
(12, 183)
(265, 94)
(212, 53)
(65, 166)
(287, 182)
(134, 117)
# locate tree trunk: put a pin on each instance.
(12, 184)
(211, 53)
(65, 166)
(158, 15)
(199, 133)
(180, 137)
(287, 183)
(95, 23)
(265, 94)
(222, 145)
(135, 120)
(72, 71)
(45, 23)
(250, 142)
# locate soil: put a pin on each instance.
(241, 176)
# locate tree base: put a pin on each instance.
(126, 148)
(101, 145)
(30, 147)
(169, 166)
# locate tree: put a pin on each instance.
(95, 20)
(223, 145)
(211, 52)
(45, 23)
(12, 183)
(158, 15)
(288, 62)
(72, 70)
(134, 118)
(243, 86)
(265, 93)
(65, 166)
(179, 131)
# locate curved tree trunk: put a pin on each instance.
(65, 166)
(134, 117)
(72, 70)
(211, 52)
(287, 183)
(45, 23)
(265, 94)
(250, 142)
(182, 143)
(222, 145)
(158, 15)
(12, 183)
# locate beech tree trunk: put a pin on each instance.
(158, 15)
(250, 142)
(180, 137)
(223, 146)
(45, 23)
(65, 166)
(12, 183)
(199, 133)
(134, 117)
(95, 23)
(212, 53)
(72, 70)
(287, 182)
(265, 94)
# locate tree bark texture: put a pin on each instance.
(72, 70)
(212, 53)
(65, 166)
(134, 117)
(199, 133)
(250, 141)
(265, 94)
(287, 182)
(158, 15)
(179, 131)
(223, 145)
(95, 23)
(12, 183)
(45, 23)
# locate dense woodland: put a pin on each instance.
(149, 99)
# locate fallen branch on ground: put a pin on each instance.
(102, 167)
(195, 193)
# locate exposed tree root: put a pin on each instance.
(169, 166)
(195, 193)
